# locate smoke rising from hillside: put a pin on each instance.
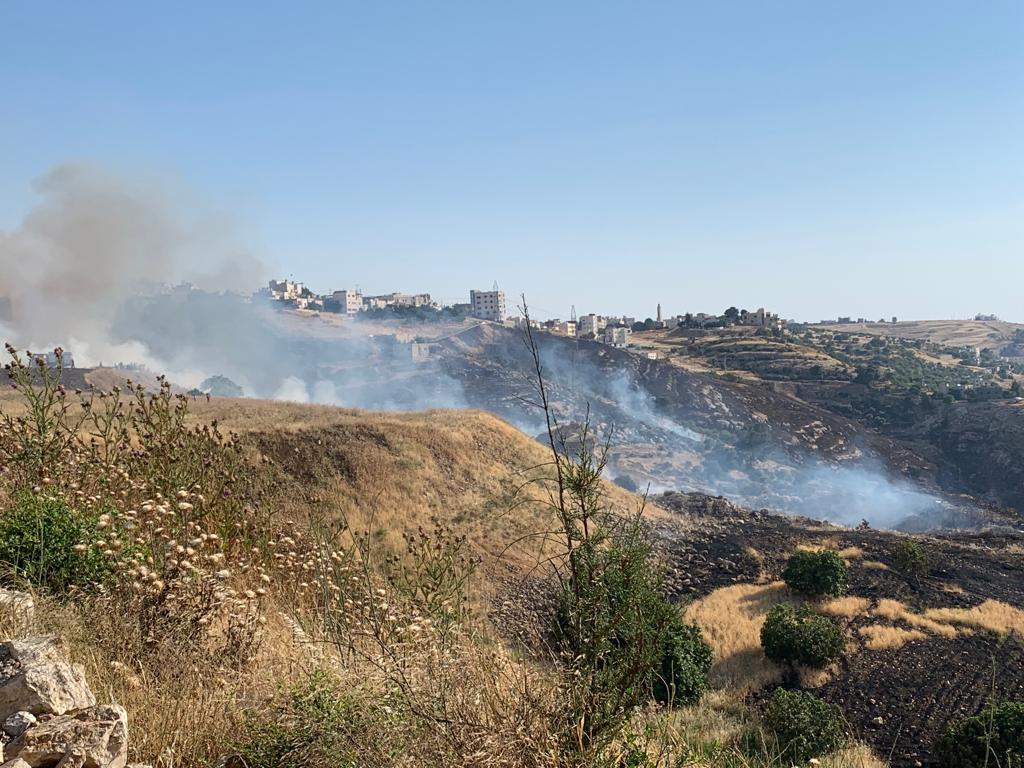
(718, 448)
(94, 240)
(89, 269)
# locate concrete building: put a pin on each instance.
(560, 327)
(349, 302)
(286, 290)
(617, 336)
(488, 305)
(397, 300)
(761, 318)
(591, 325)
(519, 323)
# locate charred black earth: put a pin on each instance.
(897, 700)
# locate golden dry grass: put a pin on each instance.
(851, 553)
(163, 712)
(954, 333)
(991, 615)
(731, 619)
(856, 756)
(878, 637)
(822, 545)
(874, 565)
(392, 472)
(894, 610)
(845, 607)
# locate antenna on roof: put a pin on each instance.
(495, 286)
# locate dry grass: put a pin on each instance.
(954, 333)
(857, 756)
(163, 710)
(822, 545)
(846, 607)
(894, 610)
(731, 619)
(874, 565)
(991, 615)
(851, 553)
(878, 637)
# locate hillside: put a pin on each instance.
(289, 551)
(812, 421)
(950, 333)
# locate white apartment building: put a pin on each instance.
(349, 302)
(286, 290)
(617, 337)
(488, 305)
(591, 325)
(397, 300)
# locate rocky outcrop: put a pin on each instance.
(35, 678)
(96, 737)
(48, 713)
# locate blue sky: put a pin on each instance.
(818, 158)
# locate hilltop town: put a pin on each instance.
(986, 342)
(492, 306)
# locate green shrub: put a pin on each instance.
(816, 573)
(911, 558)
(685, 662)
(993, 738)
(48, 544)
(803, 726)
(312, 726)
(612, 624)
(801, 636)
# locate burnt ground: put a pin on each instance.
(899, 701)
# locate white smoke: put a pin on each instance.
(97, 238)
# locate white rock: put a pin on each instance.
(18, 723)
(96, 737)
(34, 677)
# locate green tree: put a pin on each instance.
(816, 573)
(801, 636)
(803, 726)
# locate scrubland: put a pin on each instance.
(293, 585)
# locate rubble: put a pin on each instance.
(49, 714)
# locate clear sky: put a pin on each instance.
(817, 158)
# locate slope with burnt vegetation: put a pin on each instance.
(935, 624)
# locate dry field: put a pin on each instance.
(953, 333)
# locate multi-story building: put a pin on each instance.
(591, 325)
(488, 305)
(286, 290)
(617, 336)
(397, 300)
(349, 302)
